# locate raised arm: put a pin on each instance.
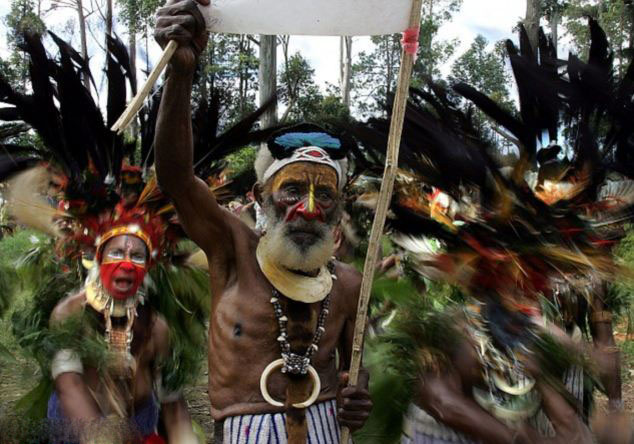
(203, 219)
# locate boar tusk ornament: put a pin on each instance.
(277, 365)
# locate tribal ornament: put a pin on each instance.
(510, 396)
(304, 143)
(118, 338)
(293, 363)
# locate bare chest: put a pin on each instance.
(245, 324)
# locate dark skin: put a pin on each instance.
(606, 352)
(243, 329)
(74, 390)
(447, 396)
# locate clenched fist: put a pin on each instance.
(182, 21)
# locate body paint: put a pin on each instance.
(112, 270)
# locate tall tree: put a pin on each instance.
(229, 74)
(485, 70)
(24, 15)
(79, 7)
(268, 77)
(376, 71)
(138, 17)
(531, 22)
(616, 19)
(345, 68)
(553, 11)
(432, 52)
(299, 92)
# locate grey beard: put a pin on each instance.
(280, 248)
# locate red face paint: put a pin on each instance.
(121, 279)
(302, 209)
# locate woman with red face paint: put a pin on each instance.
(113, 369)
(126, 399)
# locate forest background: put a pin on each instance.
(460, 40)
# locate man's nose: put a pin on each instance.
(309, 211)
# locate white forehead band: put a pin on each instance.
(311, 154)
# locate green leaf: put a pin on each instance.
(34, 404)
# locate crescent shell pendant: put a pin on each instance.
(520, 389)
(278, 364)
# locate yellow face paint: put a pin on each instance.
(311, 198)
(303, 172)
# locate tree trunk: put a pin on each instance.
(555, 19)
(345, 68)
(134, 127)
(531, 22)
(267, 77)
(82, 34)
(287, 78)
(108, 25)
(132, 55)
(108, 18)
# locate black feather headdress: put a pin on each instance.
(502, 235)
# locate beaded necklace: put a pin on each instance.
(297, 364)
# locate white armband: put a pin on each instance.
(163, 395)
(66, 361)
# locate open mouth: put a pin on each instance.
(123, 284)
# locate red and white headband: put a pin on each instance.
(310, 154)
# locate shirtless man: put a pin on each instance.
(302, 203)
(131, 386)
(455, 402)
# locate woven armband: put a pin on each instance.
(66, 361)
(601, 316)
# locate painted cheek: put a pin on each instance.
(292, 212)
(108, 272)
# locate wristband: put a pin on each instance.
(66, 361)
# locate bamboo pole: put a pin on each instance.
(137, 103)
(385, 195)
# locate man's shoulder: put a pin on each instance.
(349, 279)
(347, 272)
(68, 306)
(237, 229)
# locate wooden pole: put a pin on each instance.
(385, 195)
(137, 103)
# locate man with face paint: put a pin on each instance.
(86, 398)
(282, 312)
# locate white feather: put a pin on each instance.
(27, 202)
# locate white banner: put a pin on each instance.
(308, 17)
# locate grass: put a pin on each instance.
(12, 248)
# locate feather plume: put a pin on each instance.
(28, 204)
